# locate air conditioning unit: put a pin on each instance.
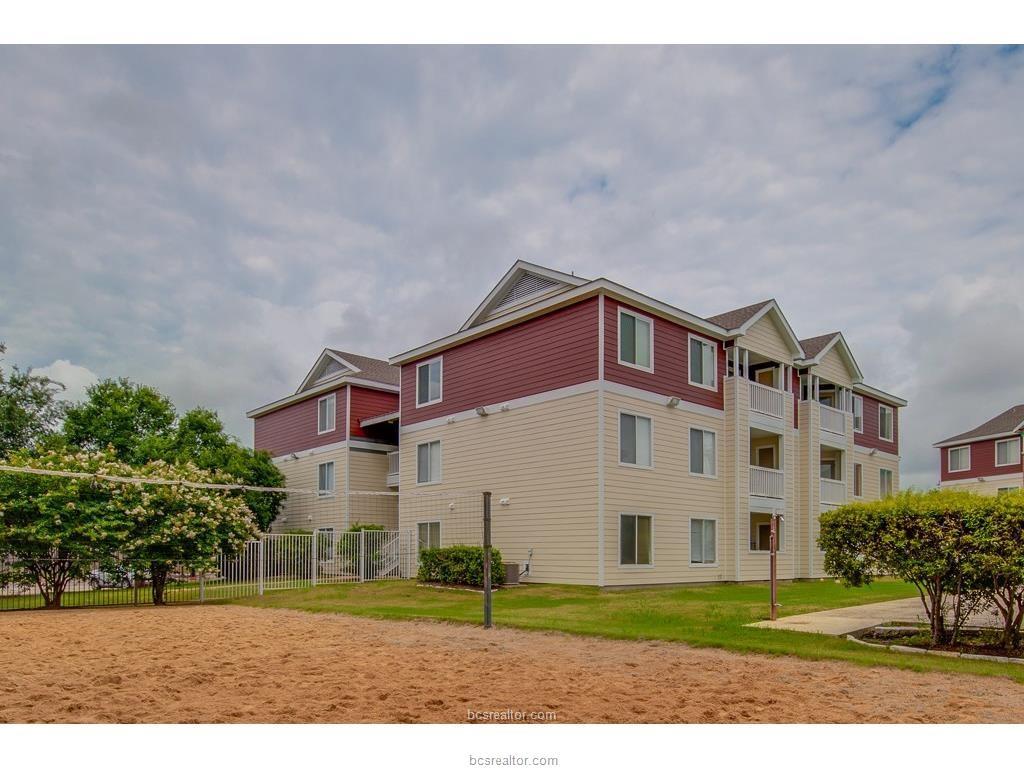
(511, 573)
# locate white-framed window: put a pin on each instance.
(636, 440)
(428, 462)
(1003, 491)
(636, 540)
(959, 459)
(428, 381)
(703, 452)
(326, 408)
(703, 541)
(636, 340)
(884, 482)
(1007, 452)
(858, 480)
(325, 478)
(858, 414)
(428, 535)
(885, 414)
(324, 538)
(760, 532)
(703, 363)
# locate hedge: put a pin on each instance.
(459, 565)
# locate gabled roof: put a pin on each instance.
(372, 368)
(1006, 424)
(816, 347)
(739, 321)
(523, 284)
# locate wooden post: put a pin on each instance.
(773, 546)
(488, 622)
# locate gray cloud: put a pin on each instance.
(206, 219)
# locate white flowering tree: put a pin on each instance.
(52, 528)
(179, 525)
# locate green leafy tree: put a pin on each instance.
(29, 408)
(53, 528)
(122, 415)
(176, 525)
(998, 568)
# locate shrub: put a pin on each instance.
(459, 565)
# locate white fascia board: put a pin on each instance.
(309, 380)
(866, 389)
(594, 287)
(791, 337)
(844, 349)
(978, 439)
(383, 418)
(517, 269)
(319, 389)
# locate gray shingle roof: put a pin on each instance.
(734, 318)
(815, 344)
(1007, 421)
(371, 368)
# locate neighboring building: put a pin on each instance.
(630, 442)
(337, 433)
(987, 459)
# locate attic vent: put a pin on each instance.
(525, 286)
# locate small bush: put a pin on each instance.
(459, 565)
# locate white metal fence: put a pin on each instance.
(274, 562)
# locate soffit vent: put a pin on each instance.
(524, 287)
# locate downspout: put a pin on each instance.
(600, 441)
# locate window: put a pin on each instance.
(960, 458)
(635, 544)
(858, 480)
(1007, 452)
(636, 340)
(428, 535)
(635, 440)
(325, 411)
(325, 478)
(325, 544)
(702, 542)
(702, 452)
(428, 382)
(703, 368)
(884, 482)
(760, 532)
(1002, 491)
(858, 413)
(428, 462)
(885, 422)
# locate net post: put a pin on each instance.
(488, 622)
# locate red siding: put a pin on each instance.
(983, 463)
(869, 437)
(671, 360)
(367, 403)
(293, 428)
(555, 350)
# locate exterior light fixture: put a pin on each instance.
(481, 411)
(673, 402)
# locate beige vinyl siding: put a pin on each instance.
(807, 487)
(368, 471)
(667, 492)
(765, 338)
(542, 458)
(833, 368)
(305, 511)
(989, 485)
(871, 466)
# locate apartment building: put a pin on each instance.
(338, 432)
(986, 459)
(627, 441)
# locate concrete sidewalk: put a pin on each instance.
(843, 621)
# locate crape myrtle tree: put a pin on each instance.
(29, 408)
(53, 528)
(177, 525)
(999, 565)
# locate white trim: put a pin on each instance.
(317, 450)
(1017, 455)
(618, 548)
(993, 478)
(334, 480)
(440, 381)
(791, 337)
(312, 392)
(333, 412)
(618, 339)
(427, 522)
(602, 554)
(714, 369)
(618, 432)
(858, 399)
(616, 388)
(514, 273)
(689, 530)
(440, 463)
(966, 440)
(689, 466)
(867, 389)
(845, 352)
(892, 423)
(308, 380)
(949, 458)
(892, 482)
(884, 454)
(382, 419)
(348, 456)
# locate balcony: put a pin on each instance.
(393, 469)
(832, 420)
(767, 400)
(767, 483)
(833, 492)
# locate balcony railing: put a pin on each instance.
(393, 468)
(769, 483)
(833, 491)
(832, 420)
(767, 400)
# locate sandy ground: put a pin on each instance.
(238, 664)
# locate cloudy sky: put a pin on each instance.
(206, 220)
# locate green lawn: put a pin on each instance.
(706, 615)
